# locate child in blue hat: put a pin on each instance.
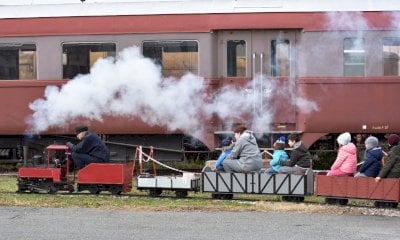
(278, 155)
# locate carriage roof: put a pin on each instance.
(66, 8)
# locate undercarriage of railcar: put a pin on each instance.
(173, 147)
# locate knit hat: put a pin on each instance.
(344, 138)
(393, 139)
(81, 128)
(227, 141)
(281, 140)
(371, 142)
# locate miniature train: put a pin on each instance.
(116, 178)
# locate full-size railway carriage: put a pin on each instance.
(342, 56)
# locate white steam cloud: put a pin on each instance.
(132, 86)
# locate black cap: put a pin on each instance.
(81, 128)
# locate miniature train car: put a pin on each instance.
(291, 187)
(337, 190)
(180, 184)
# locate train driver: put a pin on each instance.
(90, 149)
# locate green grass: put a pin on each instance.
(139, 200)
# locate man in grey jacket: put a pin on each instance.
(245, 156)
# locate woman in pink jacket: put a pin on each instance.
(346, 160)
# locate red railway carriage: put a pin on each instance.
(323, 67)
(386, 193)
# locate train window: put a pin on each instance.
(280, 58)
(354, 57)
(175, 57)
(236, 58)
(78, 58)
(391, 56)
(17, 61)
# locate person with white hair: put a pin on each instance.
(346, 160)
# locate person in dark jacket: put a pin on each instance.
(373, 156)
(300, 158)
(90, 149)
(245, 156)
(391, 167)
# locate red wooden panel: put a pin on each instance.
(339, 186)
(105, 173)
(50, 173)
(386, 189)
(101, 173)
(323, 185)
(363, 188)
(353, 186)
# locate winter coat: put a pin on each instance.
(92, 145)
(372, 162)
(221, 158)
(247, 152)
(391, 169)
(276, 158)
(346, 160)
(299, 156)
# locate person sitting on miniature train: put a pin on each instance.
(391, 166)
(360, 145)
(245, 156)
(373, 156)
(300, 158)
(227, 145)
(346, 160)
(278, 155)
(90, 149)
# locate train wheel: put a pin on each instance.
(330, 200)
(93, 189)
(115, 190)
(383, 204)
(343, 201)
(292, 199)
(53, 189)
(49, 187)
(155, 192)
(181, 193)
(70, 188)
(227, 196)
(22, 186)
(216, 196)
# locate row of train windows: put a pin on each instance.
(353, 55)
(177, 58)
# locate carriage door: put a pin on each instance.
(267, 57)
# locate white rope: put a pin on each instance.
(162, 164)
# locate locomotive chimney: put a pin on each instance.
(25, 153)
